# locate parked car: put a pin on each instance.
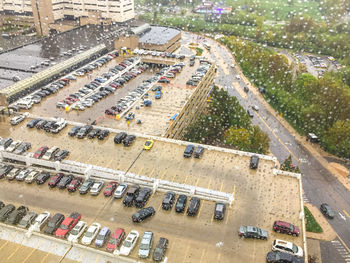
(129, 140)
(146, 244)
(199, 152)
(193, 207)
(31, 177)
(116, 239)
(50, 153)
(27, 220)
(55, 179)
(40, 221)
(327, 210)
(66, 179)
(16, 215)
(84, 131)
(119, 192)
(142, 197)
(74, 184)
(85, 187)
(110, 188)
(281, 257)
(77, 231)
(60, 155)
(252, 232)
(287, 247)
(143, 214)
(5, 211)
(93, 133)
(13, 173)
(119, 137)
(68, 224)
(4, 170)
(13, 146)
(254, 162)
(181, 204)
(131, 194)
(102, 237)
(148, 144)
(102, 134)
(42, 178)
(74, 131)
(40, 152)
(285, 228)
(4, 143)
(129, 243)
(23, 147)
(32, 123)
(91, 233)
(17, 119)
(188, 151)
(96, 188)
(219, 211)
(23, 174)
(168, 200)
(160, 249)
(53, 224)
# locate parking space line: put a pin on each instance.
(14, 252)
(197, 182)
(234, 191)
(208, 187)
(219, 257)
(150, 175)
(346, 213)
(81, 256)
(141, 169)
(187, 249)
(109, 163)
(97, 258)
(162, 176)
(227, 216)
(222, 185)
(200, 209)
(48, 253)
(203, 254)
(172, 179)
(160, 205)
(12, 238)
(186, 178)
(33, 250)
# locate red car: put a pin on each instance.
(55, 179)
(68, 224)
(116, 239)
(73, 186)
(110, 188)
(40, 152)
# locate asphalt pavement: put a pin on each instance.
(319, 185)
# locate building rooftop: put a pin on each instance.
(159, 35)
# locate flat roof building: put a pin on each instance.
(160, 39)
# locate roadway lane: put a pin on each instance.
(318, 184)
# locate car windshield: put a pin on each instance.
(148, 143)
(295, 249)
(64, 227)
(100, 237)
(75, 232)
(127, 243)
(144, 245)
(51, 224)
(113, 241)
(220, 207)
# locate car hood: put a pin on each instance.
(144, 252)
(264, 233)
(271, 256)
(125, 250)
(86, 240)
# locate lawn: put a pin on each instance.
(311, 223)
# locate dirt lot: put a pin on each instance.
(260, 197)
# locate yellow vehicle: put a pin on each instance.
(148, 145)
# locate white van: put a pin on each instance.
(25, 104)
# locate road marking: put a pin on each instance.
(202, 256)
(162, 176)
(109, 163)
(139, 173)
(219, 257)
(346, 213)
(14, 252)
(186, 179)
(12, 238)
(274, 134)
(222, 185)
(97, 258)
(227, 216)
(341, 240)
(343, 217)
(234, 191)
(208, 187)
(150, 175)
(200, 209)
(48, 253)
(187, 249)
(172, 179)
(160, 206)
(33, 250)
(82, 255)
(197, 182)
(239, 89)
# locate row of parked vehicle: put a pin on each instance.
(17, 147)
(280, 249)
(157, 54)
(73, 228)
(54, 126)
(93, 92)
(200, 73)
(88, 130)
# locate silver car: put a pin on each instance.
(146, 244)
(119, 192)
(23, 174)
(96, 188)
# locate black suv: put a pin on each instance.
(102, 134)
(5, 211)
(129, 140)
(42, 178)
(120, 137)
(5, 170)
(65, 181)
(142, 197)
(31, 124)
(53, 224)
(143, 214)
(131, 194)
(181, 203)
(193, 207)
(94, 133)
(16, 215)
(84, 131)
(219, 212)
(254, 162)
(85, 187)
(74, 131)
(160, 249)
(188, 151)
(168, 200)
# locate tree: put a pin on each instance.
(288, 165)
(239, 138)
(259, 141)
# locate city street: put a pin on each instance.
(319, 185)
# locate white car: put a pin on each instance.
(255, 107)
(287, 247)
(129, 243)
(238, 77)
(77, 231)
(232, 65)
(13, 146)
(96, 188)
(120, 190)
(17, 119)
(31, 177)
(40, 221)
(23, 174)
(91, 233)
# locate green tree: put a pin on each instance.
(239, 138)
(259, 141)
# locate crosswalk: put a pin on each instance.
(305, 199)
(341, 250)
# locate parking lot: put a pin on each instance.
(260, 196)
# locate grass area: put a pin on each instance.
(311, 223)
